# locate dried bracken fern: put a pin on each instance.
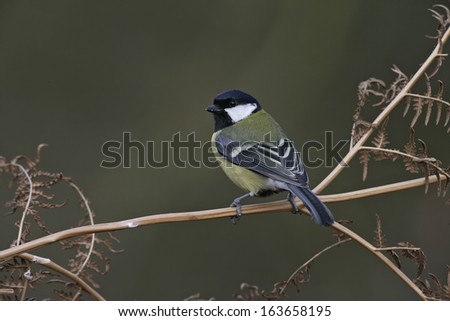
(440, 291)
(428, 101)
(32, 193)
(410, 148)
(16, 276)
(381, 138)
(248, 292)
(423, 104)
(406, 249)
(443, 20)
(416, 255)
(379, 238)
(416, 160)
(381, 93)
(364, 158)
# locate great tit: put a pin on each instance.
(257, 156)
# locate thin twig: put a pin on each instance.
(27, 206)
(377, 190)
(429, 160)
(398, 248)
(24, 290)
(6, 291)
(91, 219)
(429, 98)
(283, 288)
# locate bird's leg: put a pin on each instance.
(291, 199)
(237, 203)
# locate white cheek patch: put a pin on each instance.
(240, 112)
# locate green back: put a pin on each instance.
(250, 129)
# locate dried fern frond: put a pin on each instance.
(32, 192)
(364, 158)
(418, 103)
(18, 275)
(407, 100)
(395, 257)
(415, 159)
(248, 292)
(440, 290)
(381, 138)
(410, 148)
(427, 101)
(443, 24)
(301, 276)
(379, 237)
(439, 102)
(417, 255)
(397, 85)
(366, 89)
(383, 93)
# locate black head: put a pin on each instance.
(232, 106)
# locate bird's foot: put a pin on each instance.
(237, 203)
(291, 199)
(237, 217)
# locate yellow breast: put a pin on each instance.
(242, 177)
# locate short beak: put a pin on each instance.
(213, 109)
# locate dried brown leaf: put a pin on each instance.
(410, 149)
(447, 116)
(439, 102)
(429, 102)
(364, 157)
(418, 106)
(395, 257)
(417, 255)
(381, 139)
(379, 237)
(407, 105)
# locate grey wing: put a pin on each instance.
(279, 160)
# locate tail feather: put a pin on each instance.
(319, 211)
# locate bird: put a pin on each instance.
(256, 155)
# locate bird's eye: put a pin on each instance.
(232, 103)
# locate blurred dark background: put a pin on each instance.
(75, 74)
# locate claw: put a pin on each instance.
(291, 199)
(237, 203)
(237, 217)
